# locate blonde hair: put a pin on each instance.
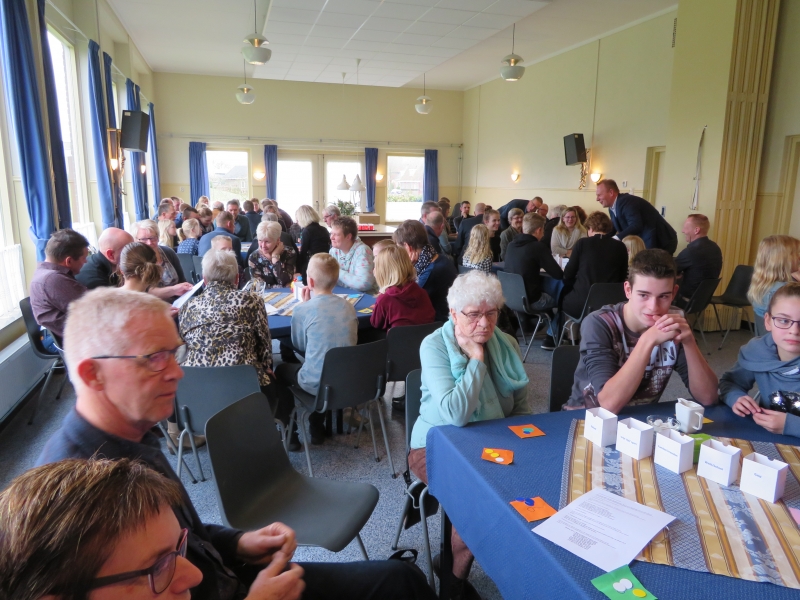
(306, 215)
(218, 240)
(393, 267)
(325, 271)
(268, 230)
(776, 260)
(479, 247)
(189, 227)
(380, 245)
(164, 237)
(202, 201)
(578, 225)
(634, 244)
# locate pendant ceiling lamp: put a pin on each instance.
(512, 71)
(256, 52)
(343, 185)
(245, 93)
(423, 104)
(357, 186)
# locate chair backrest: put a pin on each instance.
(701, 297)
(514, 291)
(247, 456)
(352, 375)
(413, 402)
(403, 352)
(187, 264)
(601, 294)
(761, 330)
(33, 330)
(562, 374)
(739, 284)
(204, 391)
(198, 267)
(462, 269)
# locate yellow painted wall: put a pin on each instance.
(520, 126)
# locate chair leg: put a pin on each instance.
(716, 314)
(174, 450)
(301, 425)
(427, 547)
(386, 438)
(190, 433)
(702, 335)
(41, 392)
(521, 330)
(727, 331)
(368, 410)
(360, 425)
(292, 421)
(533, 335)
(362, 547)
(180, 452)
(61, 387)
(403, 516)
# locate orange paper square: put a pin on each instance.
(540, 509)
(520, 430)
(497, 456)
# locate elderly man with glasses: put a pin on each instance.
(123, 353)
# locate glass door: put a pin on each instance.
(298, 182)
(337, 167)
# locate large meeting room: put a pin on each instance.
(399, 299)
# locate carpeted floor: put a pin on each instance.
(20, 444)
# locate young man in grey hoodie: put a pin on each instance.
(629, 350)
(773, 363)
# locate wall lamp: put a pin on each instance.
(259, 175)
(515, 177)
(595, 177)
(143, 168)
(378, 176)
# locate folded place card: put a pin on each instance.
(674, 451)
(763, 477)
(719, 462)
(600, 427)
(635, 438)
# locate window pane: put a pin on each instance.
(295, 186)
(228, 175)
(404, 187)
(333, 177)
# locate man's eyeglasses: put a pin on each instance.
(159, 575)
(157, 361)
(475, 317)
(782, 322)
(147, 239)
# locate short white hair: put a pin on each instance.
(220, 265)
(332, 209)
(473, 288)
(97, 323)
(268, 230)
(147, 224)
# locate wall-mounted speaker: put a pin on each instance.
(135, 128)
(574, 149)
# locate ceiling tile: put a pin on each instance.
(370, 46)
(287, 27)
(473, 5)
(379, 24)
(339, 33)
(517, 8)
(363, 8)
(293, 15)
(447, 15)
(368, 35)
(321, 42)
(303, 4)
(424, 28)
(416, 40)
(471, 33)
(451, 42)
(492, 21)
(397, 10)
(277, 39)
(340, 19)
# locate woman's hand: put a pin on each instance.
(276, 253)
(473, 349)
(568, 253)
(179, 289)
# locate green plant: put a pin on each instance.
(347, 209)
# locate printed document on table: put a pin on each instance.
(185, 298)
(607, 530)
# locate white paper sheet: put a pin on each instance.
(185, 298)
(607, 530)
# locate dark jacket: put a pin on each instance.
(314, 239)
(287, 220)
(254, 220)
(242, 229)
(632, 215)
(433, 240)
(549, 225)
(210, 547)
(596, 259)
(205, 244)
(526, 256)
(98, 272)
(402, 305)
(464, 229)
(436, 281)
(701, 259)
(457, 221)
(504, 210)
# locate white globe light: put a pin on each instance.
(423, 105)
(246, 94)
(256, 55)
(512, 71)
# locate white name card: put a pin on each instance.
(763, 477)
(674, 451)
(600, 427)
(719, 462)
(635, 438)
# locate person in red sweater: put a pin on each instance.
(400, 300)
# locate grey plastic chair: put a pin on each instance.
(600, 294)
(419, 505)
(735, 296)
(256, 484)
(198, 267)
(562, 374)
(35, 338)
(517, 300)
(203, 392)
(189, 271)
(698, 304)
(351, 376)
(403, 352)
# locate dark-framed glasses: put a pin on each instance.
(782, 322)
(157, 361)
(159, 575)
(475, 317)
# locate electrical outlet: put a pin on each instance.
(181, 188)
(624, 184)
(663, 211)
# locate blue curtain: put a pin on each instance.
(137, 159)
(116, 186)
(430, 185)
(99, 141)
(371, 164)
(271, 163)
(59, 162)
(153, 161)
(198, 171)
(19, 78)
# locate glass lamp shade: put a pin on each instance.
(256, 52)
(357, 185)
(512, 71)
(423, 105)
(246, 94)
(343, 185)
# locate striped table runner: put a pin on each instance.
(718, 529)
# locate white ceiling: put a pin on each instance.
(457, 43)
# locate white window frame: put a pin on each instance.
(317, 174)
(249, 178)
(387, 175)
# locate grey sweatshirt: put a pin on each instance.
(759, 364)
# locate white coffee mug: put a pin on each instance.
(689, 415)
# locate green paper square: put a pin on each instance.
(605, 583)
(699, 438)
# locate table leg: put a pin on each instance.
(445, 558)
(339, 419)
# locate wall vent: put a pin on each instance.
(674, 30)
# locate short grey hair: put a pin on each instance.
(332, 210)
(148, 225)
(473, 288)
(268, 230)
(268, 217)
(233, 201)
(220, 265)
(557, 211)
(97, 323)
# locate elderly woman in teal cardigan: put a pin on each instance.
(471, 371)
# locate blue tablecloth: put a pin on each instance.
(476, 495)
(281, 327)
